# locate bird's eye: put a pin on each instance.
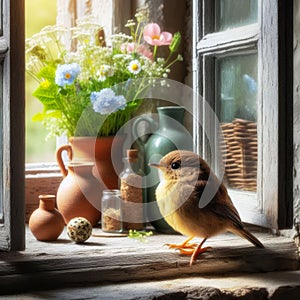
(175, 165)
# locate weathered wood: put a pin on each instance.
(119, 259)
(276, 154)
(296, 114)
(3, 47)
(12, 118)
(241, 37)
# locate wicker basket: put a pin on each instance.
(239, 152)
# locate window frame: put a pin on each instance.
(12, 232)
(12, 225)
(272, 38)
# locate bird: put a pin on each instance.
(184, 176)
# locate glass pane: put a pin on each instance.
(38, 147)
(237, 103)
(234, 13)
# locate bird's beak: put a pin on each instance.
(155, 165)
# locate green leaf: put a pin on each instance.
(51, 106)
(48, 72)
(54, 114)
(46, 93)
(175, 42)
(39, 117)
(139, 235)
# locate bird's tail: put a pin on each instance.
(244, 233)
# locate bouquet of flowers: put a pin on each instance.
(77, 86)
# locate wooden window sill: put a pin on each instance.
(120, 259)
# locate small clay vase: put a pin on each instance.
(79, 194)
(46, 223)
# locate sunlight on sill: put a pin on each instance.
(120, 259)
(41, 168)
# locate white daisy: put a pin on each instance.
(104, 71)
(134, 67)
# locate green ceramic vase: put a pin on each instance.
(170, 135)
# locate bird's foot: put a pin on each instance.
(191, 252)
(191, 249)
(182, 246)
(188, 252)
(198, 251)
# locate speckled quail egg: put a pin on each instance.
(79, 229)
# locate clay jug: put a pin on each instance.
(170, 135)
(100, 151)
(46, 223)
(79, 194)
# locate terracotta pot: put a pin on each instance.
(79, 194)
(46, 223)
(100, 151)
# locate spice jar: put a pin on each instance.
(111, 217)
(132, 192)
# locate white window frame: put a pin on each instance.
(272, 38)
(272, 213)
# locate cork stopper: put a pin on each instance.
(132, 154)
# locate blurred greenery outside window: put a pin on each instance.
(38, 14)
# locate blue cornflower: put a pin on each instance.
(66, 74)
(106, 102)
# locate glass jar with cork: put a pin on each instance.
(132, 192)
(111, 218)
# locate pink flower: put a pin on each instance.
(143, 50)
(153, 36)
(127, 47)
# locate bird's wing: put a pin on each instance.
(221, 203)
(226, 211)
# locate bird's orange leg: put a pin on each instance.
(184, 246)
(198, 250)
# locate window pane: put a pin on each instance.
(233, 13)
(38, 148)
(237, 104)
